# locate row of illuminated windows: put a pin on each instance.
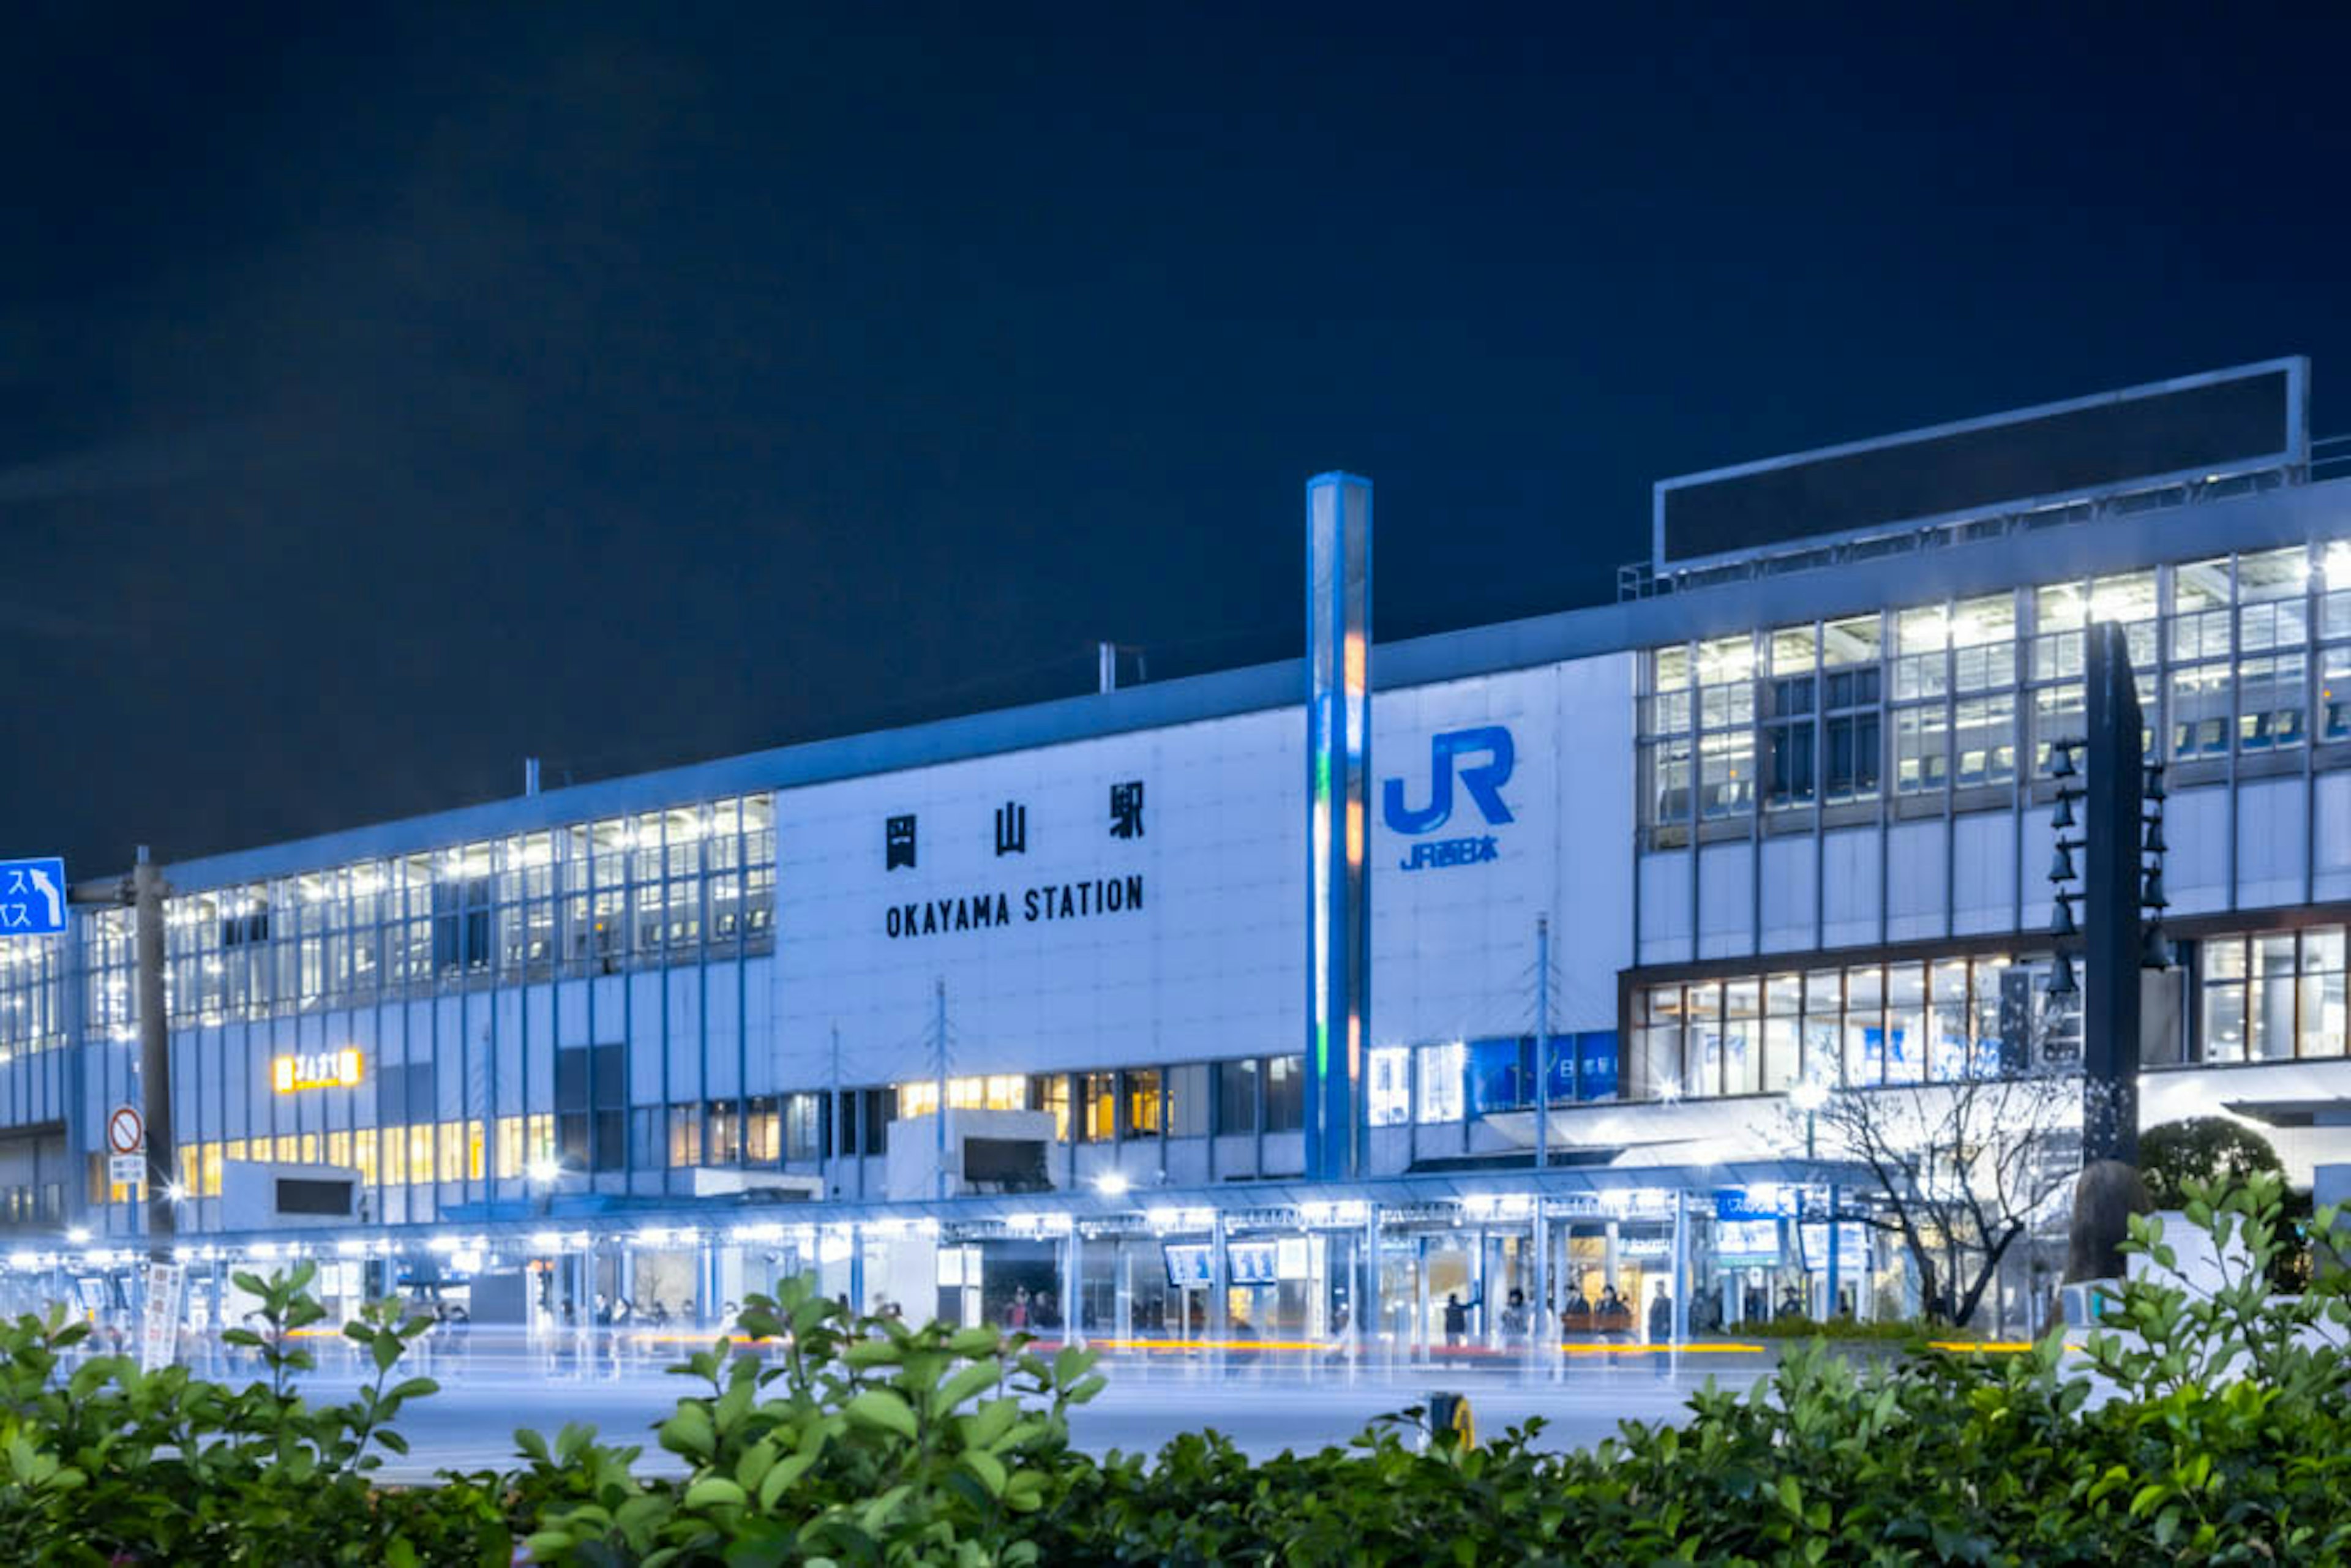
(1865, 1024)
(1189, 1100)
(1790, 717)
(32, 994)
(591, 898)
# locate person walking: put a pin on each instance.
(1457, 1317)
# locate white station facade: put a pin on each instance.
(1779, 814)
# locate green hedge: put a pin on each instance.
(868, 1442)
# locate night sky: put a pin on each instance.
(384, 398)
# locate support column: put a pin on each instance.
(1074, 1292)
(1338, 829)
(1681, 1267)
(1122, 1292)
(1219, 1287)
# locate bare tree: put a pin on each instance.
(1963, 1168)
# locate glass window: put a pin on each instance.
(1236, 1096)
(1905, 1023)
(1947, 1021)
(2270, 996)
(1658, 1064)
(1742, 1043)
(1984, 740)
(2271, 703)
(1983, 641)
(2322, 992)
(1921, 669)
(1668, 765)
(2059, 612)
(1285, 1093)
(1442, 1068)
(2200, 711)
(1141, 1086)
(1864, 1025)
(2334, 693)
(1921, 749)
(1389, 1092)
(1851, 641)
(1824, 1014)
(2056, 716)
(1726, 776)
(1049, 1092)
(1793, 649)
(1098, 1106)
(1188, 1100)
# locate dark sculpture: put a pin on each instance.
(2105, 1198)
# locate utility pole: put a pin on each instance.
(1543, 1041)
(154, 1054)
(939, 1029)
(142, 893)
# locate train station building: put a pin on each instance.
(1288, 1000)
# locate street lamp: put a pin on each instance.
(1809, 1096)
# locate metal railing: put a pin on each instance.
(2330, 458)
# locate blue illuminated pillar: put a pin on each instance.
(1338, 829)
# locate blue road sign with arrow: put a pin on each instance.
(33, 897)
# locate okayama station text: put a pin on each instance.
(983, 911)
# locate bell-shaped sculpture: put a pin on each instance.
(2154, 790)
(2150, 894)
(2153, 952)
(2061, 815)
(2061, 918)
(2061, 862)
(2061, 759)
(2061, 977)
(2155, 845)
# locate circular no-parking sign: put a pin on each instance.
(125, 1130)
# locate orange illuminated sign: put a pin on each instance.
(315, 1069)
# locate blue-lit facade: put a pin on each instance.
(1783, 824)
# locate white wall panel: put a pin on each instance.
(1726, 896)
(1788, 881)
(1849, 887)
(1591, 897)
(648, 1074)
(1212, 958)
(2331, 855)
(2195, 866)
(1666, 913)
(507, 1043)
(1983, 871)
(2270, 842)
(1453, 946)
(1918, 896)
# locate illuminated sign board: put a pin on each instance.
(315, 1069)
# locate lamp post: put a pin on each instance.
(1809, 1096)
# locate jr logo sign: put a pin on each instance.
(1481, 779)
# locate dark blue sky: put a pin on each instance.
(386, 397)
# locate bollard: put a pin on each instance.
(1450, 1412)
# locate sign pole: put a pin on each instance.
(154, 1053)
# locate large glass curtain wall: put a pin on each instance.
(1933, 705)
(594, 897)
(1912, 1022)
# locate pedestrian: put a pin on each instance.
(1661, 1317)
(1516, 1319)
(1457, 1317)
(1016, 1317)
